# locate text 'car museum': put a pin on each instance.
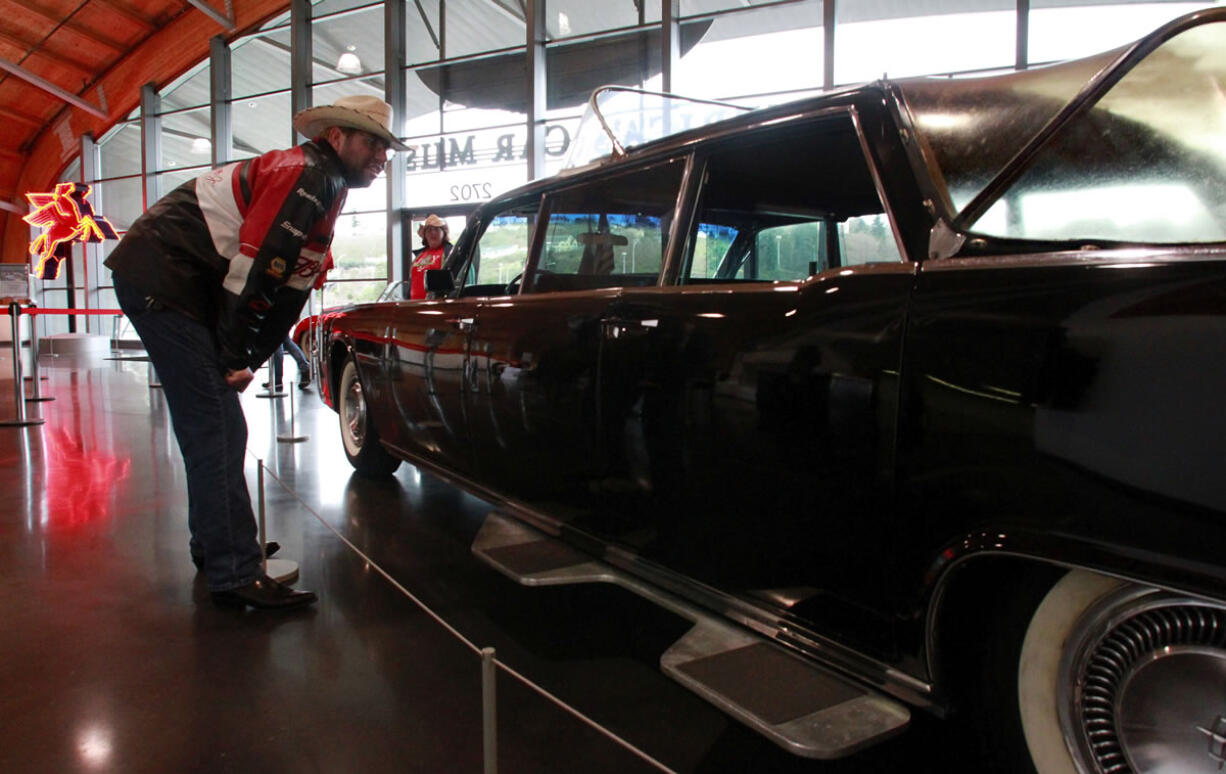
(619, 386)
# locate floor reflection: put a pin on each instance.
(112, 657)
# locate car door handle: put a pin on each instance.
(621, 328)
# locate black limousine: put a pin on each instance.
(908, 395)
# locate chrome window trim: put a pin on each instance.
(687, 202)
(879, 184)
(1131, 257)
(703, 154)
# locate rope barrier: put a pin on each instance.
(19, 398)
(539, 690)
(486, 654)
(14, 309)
(34, 311)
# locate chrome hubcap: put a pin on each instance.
(1148, 693)
(355, 414)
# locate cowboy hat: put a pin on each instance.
(433, 220)
(369, 114)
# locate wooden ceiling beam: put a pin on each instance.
(76, 29)
(25, 118)
(128, 14)
(84, 68)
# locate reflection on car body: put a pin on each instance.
(876, 378)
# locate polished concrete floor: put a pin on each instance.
(112, 657)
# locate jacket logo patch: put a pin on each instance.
(276, 268)
(291, 228)
(306, 267)
(305, 194)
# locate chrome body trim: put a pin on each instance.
(1124, 257)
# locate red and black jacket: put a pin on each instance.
(239, 247)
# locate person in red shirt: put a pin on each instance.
(436, 246)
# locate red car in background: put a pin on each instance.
(303, 333)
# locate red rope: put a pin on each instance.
(34, 311)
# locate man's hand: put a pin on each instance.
(239, 379)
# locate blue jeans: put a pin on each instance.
(304, 368)
(212, 433)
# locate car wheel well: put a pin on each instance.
(979, 591)
(337, 355)
(978, 623)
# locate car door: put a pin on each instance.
(425, 364)
(430, 340)
(749, 412)
(533, 359)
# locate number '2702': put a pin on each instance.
(467, 192)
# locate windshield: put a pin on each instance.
(971, 127)
(1144, 163)
(619, 117)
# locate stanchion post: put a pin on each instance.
(19, 390)
(19, 387)
(489, 711)
(280, 570)
(291, 436)
(317, 346)
(38, 391)
(260, 511)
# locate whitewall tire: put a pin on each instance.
(1118, 678)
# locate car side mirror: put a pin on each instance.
(439, 281)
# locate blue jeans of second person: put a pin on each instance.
(304, 368)
(212, 433)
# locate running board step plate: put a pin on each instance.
(805, 709)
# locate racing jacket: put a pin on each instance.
(239, 248)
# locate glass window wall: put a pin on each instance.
(185, 139)
(1071, 29)
(120, 151)
(567, 18)
(190, 90)
(359, 253)
(473, 28)
(260, 64)
(922, 37)
(261, 124)
(719, 62)
(347, 44)
(325, 7)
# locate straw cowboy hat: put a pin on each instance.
(433, 220)
(370, 114)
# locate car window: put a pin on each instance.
(499, 256)
(609, 233)
(787, 204)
